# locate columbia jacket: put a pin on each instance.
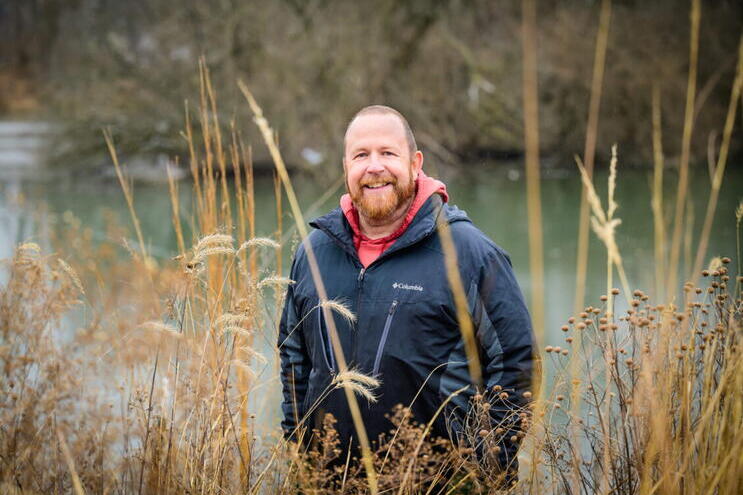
(406, 331)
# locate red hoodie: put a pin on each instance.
(370, 249)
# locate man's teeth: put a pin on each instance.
(376, 186)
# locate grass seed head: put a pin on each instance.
(357, 382)
(340, 308)
(72, 274)
(213, 240)
(161, 328)
(275, 281)
(203, 254)
(258, 242)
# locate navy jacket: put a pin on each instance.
(406, 332)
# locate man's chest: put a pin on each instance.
(401, 307)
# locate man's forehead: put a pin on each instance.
(368, 125)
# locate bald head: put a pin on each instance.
(385, 110)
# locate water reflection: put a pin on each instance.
(490, 196)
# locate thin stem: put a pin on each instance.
(683, 185)
(589, 152)
(531, 138)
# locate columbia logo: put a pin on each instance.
(398, 285)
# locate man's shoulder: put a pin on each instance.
(469, 240)
(315, 238)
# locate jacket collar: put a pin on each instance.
(336, 226)
(425, 186)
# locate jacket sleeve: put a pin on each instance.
(505, 334)
(295, 361)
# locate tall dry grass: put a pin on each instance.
(124, 373)
(655, 405)
(148, 398)
(656, 409)
(589, 152)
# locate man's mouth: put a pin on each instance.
(378, 185)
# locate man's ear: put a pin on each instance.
(417, 163)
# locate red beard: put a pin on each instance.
(381, 206)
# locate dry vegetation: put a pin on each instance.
(124, 374)
(169, 384)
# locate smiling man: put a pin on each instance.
(380, 254)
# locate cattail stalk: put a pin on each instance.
(683, 185)
(531, 138)
(659, 230)
(460, 301)
(176, 210)
(589, 152)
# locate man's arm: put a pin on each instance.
(295, 362)
(504, 331)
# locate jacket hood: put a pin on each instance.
(370, 249)
(425, 186)
(336, 225)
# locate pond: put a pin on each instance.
(493, 195)
(34, 200)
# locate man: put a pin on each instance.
(380, 254)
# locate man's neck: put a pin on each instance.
(376, 229)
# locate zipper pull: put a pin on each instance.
(392, 308)
(361, 275)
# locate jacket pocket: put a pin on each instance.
(383, 339)
(305, 403)
(324, 339)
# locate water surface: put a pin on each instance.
(492, 195)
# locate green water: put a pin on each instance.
(33, 207)
(493, 196)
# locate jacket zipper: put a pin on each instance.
(359, 287)
(359, 284)
(383, 339)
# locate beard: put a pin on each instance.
(380, 207)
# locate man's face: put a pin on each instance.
(380, 173)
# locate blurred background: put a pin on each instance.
(116, 332)
(452, 67)
(70, 68)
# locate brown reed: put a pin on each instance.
(110, 408)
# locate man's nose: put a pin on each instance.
(376, 164)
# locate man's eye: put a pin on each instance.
(388, 153)
(360, 155)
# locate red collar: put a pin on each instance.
(425, 187)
